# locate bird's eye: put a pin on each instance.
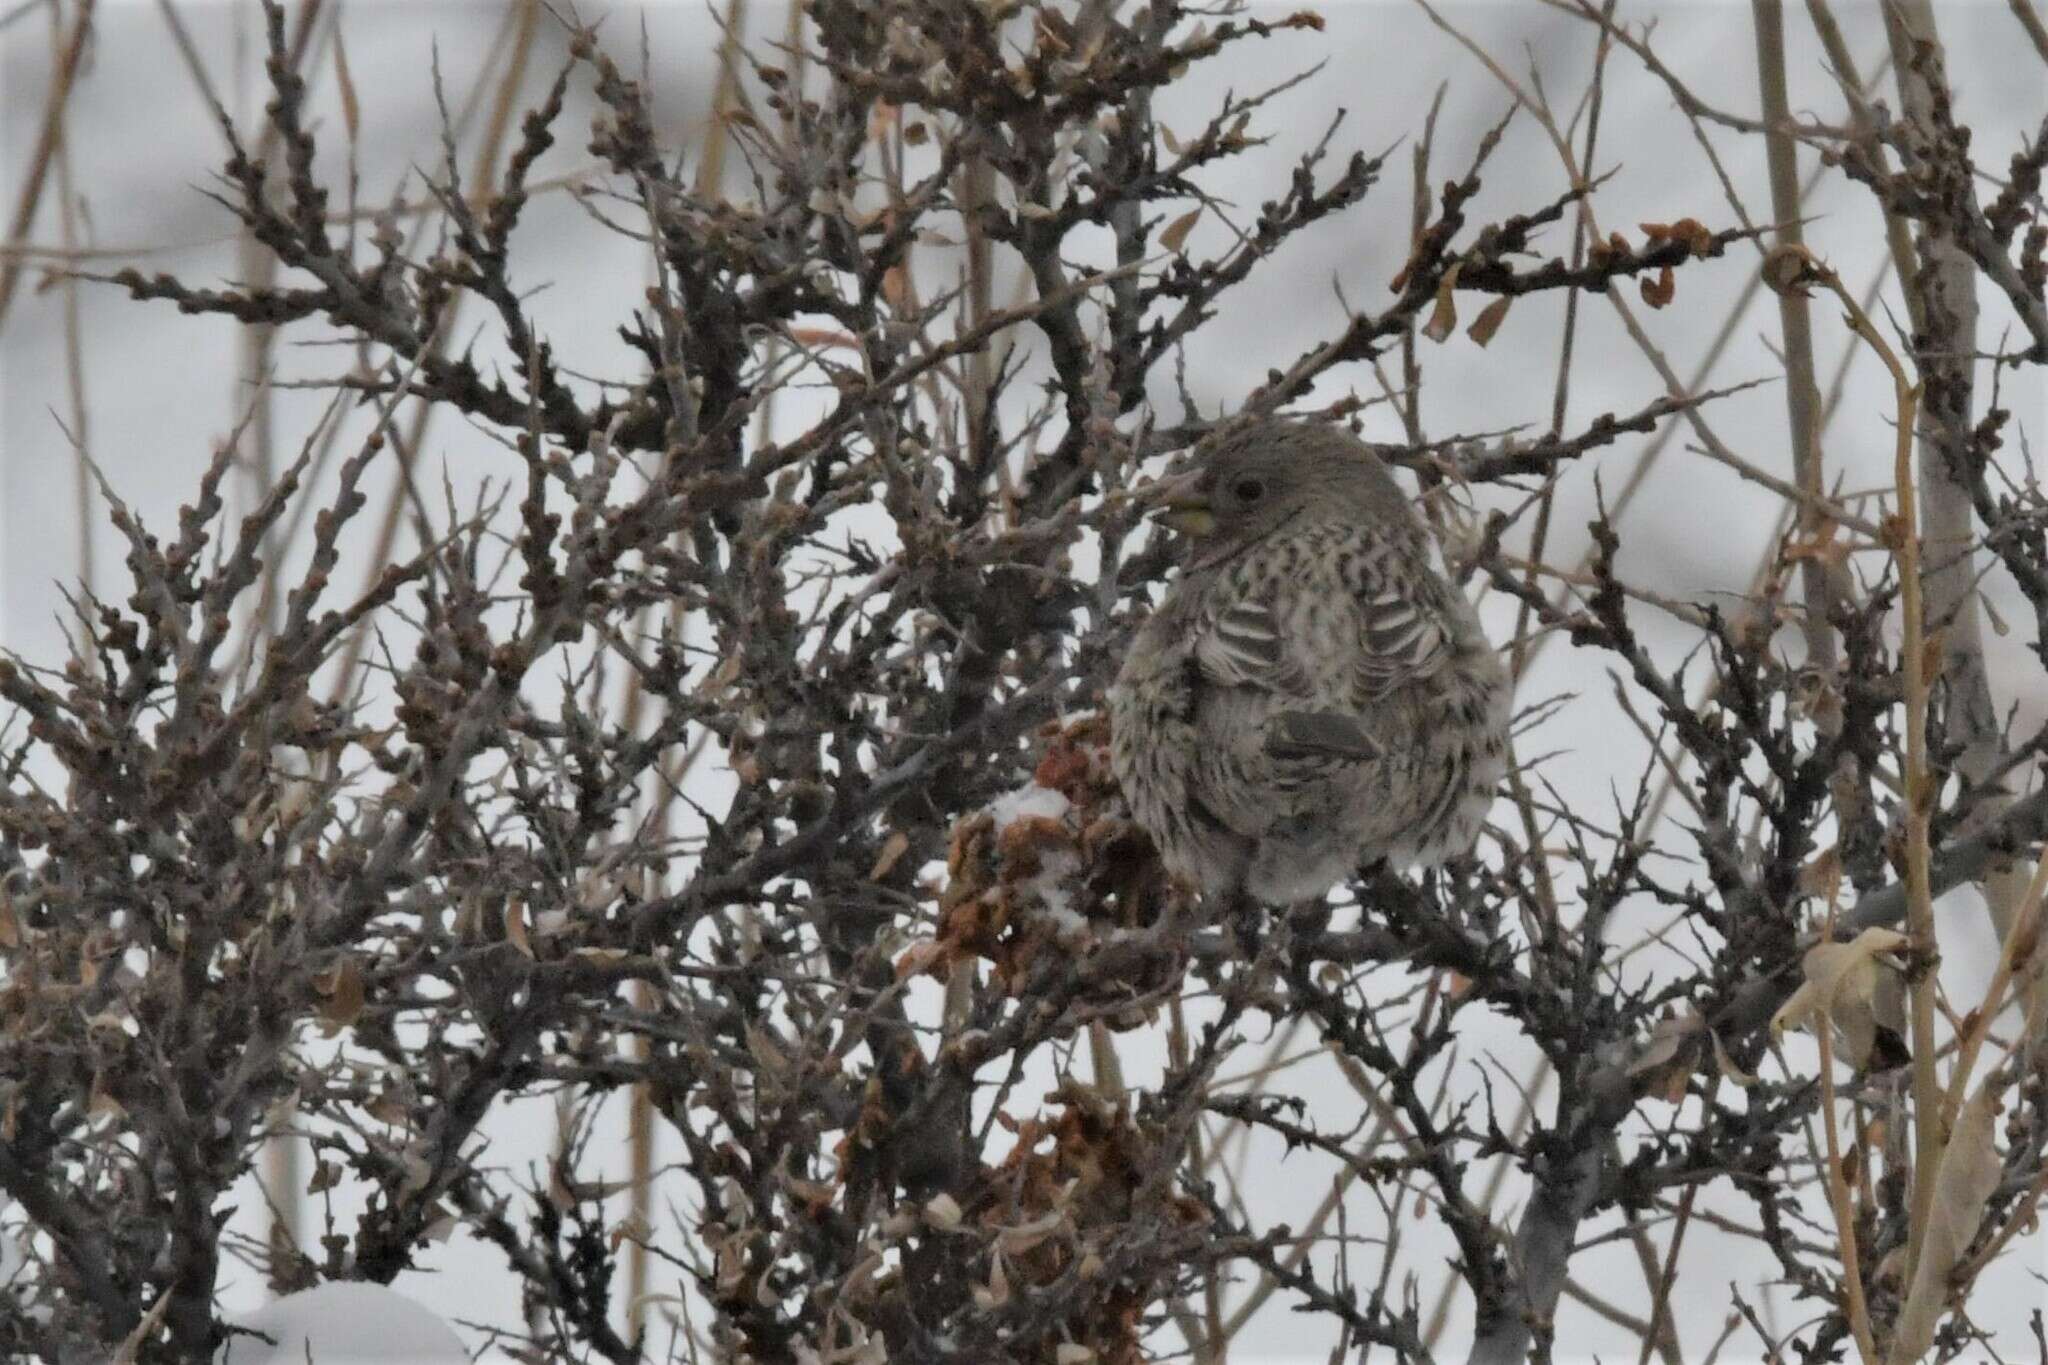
(1248, 490)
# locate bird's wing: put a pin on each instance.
(1406, 629)
(1381, 624)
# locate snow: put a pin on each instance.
(1028, 800)
(344, 1323)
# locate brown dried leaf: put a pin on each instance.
(920, 957)
(1691, 232)
(1443, 318)
(1489, 320)
(896, 287)
(1821, 876)
(1790, 269)
(1663, 1067)
(1176, 233)
(515, 927)
(101, 1104)
(893, 849)
(342, 995)
(1660, 291)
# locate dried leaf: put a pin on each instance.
(1443, 319)
(101, 1104)
(1842, 984)
(997, 1292)
(1176, 233)
(919, 958)
(342, 995)
(442, 1227)
(515, 926)
(1166, 136)
(1025, 1236)
(721, 677)
(1790, 269)
(896, 288)
(1489, 320)
(1661, 290)
(1823, 874)
(1999, 625)
(1663, 1067)
(1690, 231)
(942, 1211)
(893, 849)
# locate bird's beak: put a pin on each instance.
(1180, 503)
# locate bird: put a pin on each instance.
(1312, 695)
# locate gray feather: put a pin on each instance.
(1319, 734)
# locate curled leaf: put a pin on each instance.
(1846, 983)
(1792, 269)
(1661, 290)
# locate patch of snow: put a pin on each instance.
(344, 1322)
(1030, 799)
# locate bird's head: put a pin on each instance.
(1258, 476)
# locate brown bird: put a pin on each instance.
(1312, 695)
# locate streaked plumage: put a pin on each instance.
(1312, 694)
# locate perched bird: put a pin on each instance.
(1312, 695)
